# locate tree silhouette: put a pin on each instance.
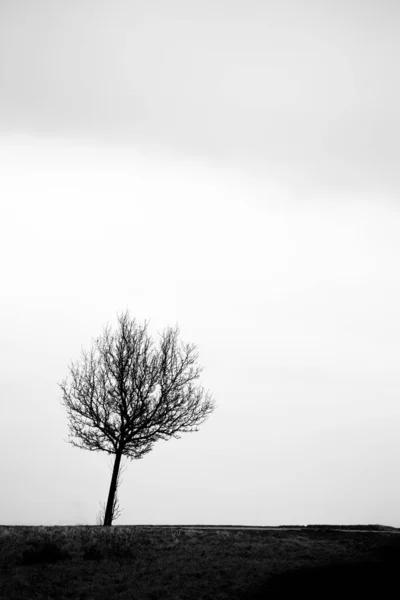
(126, 394)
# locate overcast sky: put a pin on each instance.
(232, 167)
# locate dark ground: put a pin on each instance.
(193, 563)
(376, 575)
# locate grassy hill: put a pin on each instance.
(184, 563)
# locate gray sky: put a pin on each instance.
(231, 167)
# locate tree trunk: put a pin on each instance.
(108, 516)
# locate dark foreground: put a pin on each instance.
(183, 563)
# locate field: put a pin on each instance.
(192, 563)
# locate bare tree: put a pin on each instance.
(126, 394)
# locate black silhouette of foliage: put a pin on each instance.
(126, 394)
